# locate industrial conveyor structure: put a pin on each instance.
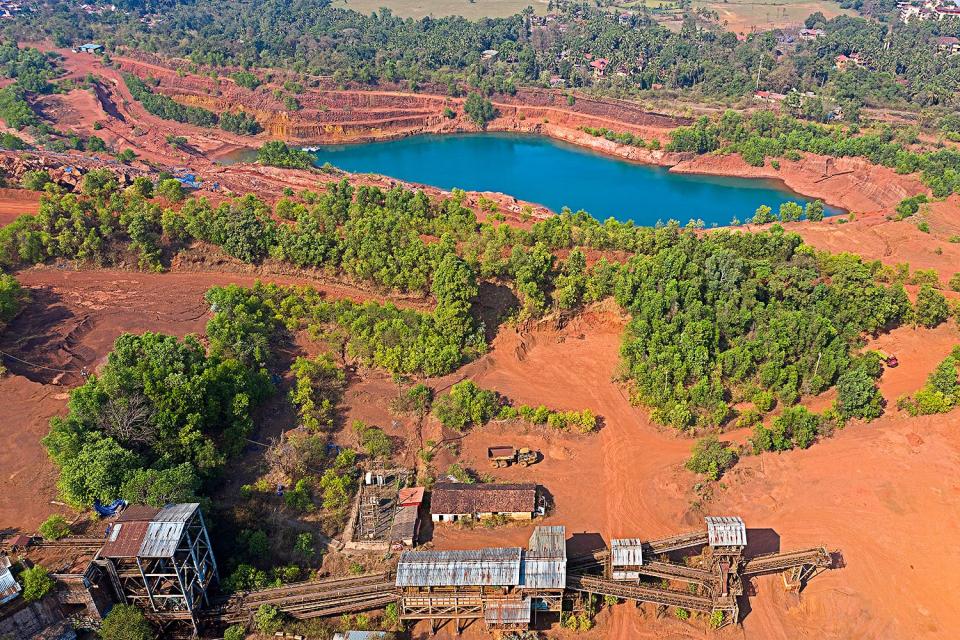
(161, 560)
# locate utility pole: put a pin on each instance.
(759, 69)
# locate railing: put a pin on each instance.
(775, 562)
(675, 543)
(667, 597)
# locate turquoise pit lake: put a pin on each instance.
(556, 175)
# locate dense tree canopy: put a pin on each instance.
(160, 417)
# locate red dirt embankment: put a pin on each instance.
(70, 324)
(17, 202)
(331, 115)
(853, 184)
(876, 238)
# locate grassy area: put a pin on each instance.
(471, 9)
(743, 16)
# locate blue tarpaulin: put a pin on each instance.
(109, 509)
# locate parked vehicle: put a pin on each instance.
(504, 456)
(889, 359)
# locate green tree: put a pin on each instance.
(931, 308)
(858, 395)
(35, 180)
(790, 212)
(466, 404)
(479, 109)
(814, 211)
(763, 215)
(171, 189)
(126, 622)
(36, 583)
(373, 440)
(54, 527)
(277, 154)
(711, 457)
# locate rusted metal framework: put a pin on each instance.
(161, 560)
(796, 567)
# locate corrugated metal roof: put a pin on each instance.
(404, 527)
(626, 552)
(363, 635)
(137, 513)
(461, 498)
(9, 587)
(545, 560)
(499, 612)
(161, 539)
(410, 496)
(124, 539)
(726, 531)
(476, 567)
(176, 512)
(548, 543)
(543, 574)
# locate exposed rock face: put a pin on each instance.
(65, 170)
(850, 183)
(329, 114)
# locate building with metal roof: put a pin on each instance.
(9, 587)
(363, 635)
(726, 531)
(545, 559)
(513, 614)
(161, 560)
(502, 586)
(476, 567)
(543, 574)
(626, 558)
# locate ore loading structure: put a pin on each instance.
(161, 561)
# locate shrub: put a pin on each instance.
(278, 154)
(12, 298)
(300, 497)
(373, 440)
(954, 282)
(466, 404)
(304, 545)
(711, 457)
(171, 189)
(35, 180)
(36, 583)
(268, 619)
(126, 622)
(245, 578)
(235, 632)
(55, 527)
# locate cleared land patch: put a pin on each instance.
(472, 9)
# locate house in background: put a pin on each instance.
(91, 47)
(948, 44)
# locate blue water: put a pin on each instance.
(557, 174)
